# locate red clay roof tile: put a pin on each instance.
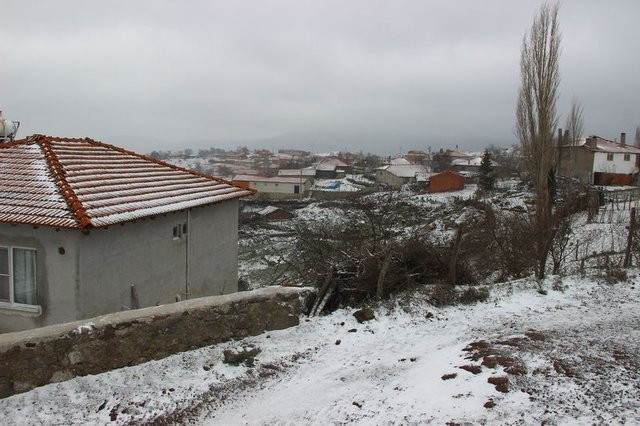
(82, 183)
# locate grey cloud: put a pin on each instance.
(379, 74)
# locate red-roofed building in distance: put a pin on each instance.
(88, 228)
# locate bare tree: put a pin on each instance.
(536, 119)
(575, 122)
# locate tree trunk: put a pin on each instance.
(453, 261)
(382, 276)
(627, 252)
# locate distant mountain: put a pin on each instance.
(380, 144)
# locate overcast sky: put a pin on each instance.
(379, 76)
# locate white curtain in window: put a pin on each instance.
(24, 276)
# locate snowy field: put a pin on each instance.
(568, 357)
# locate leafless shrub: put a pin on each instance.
(472, 295)
(572, 198)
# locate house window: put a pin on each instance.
(296, 189)
(18, 276)
(609, 157)
(627, 157)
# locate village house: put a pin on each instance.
(397, 175)
(445, 182)
(331, 168)
(306, 173)
(442, 160)
(88, 228)
(417, 157)
(277, 187)
(598, 161)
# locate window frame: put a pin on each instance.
(627, 157)
(609, 157)
(11, 304)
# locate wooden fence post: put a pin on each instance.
(627, 252)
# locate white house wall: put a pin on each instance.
(617, 165)
(277, 188)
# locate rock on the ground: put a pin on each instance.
(237, 356)
(364, 314)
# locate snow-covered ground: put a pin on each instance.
(339, 185)
(569, 357)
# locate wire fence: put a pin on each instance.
(613, 206)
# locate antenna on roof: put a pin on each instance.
(8, 129)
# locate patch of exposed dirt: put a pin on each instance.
(602, 370)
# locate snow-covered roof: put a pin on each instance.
(454, 153)
(307, 171)
(330, 164)
(405, 171)
(82, 183)
(400, 162)
(604, 145)
(475, 161)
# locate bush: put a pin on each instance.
(442, 295)
(614, 275)
(473, 295)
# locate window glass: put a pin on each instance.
(4, 261)
(24, 276)
(5, 295)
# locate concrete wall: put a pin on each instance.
(577, 162)
(147, 255)
(60, 352)
(280, 187)
(94, 274)
(390, 179)
(213, 251)
(56, 275)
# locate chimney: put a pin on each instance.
(623, 139)
(560, 142)
(566, 138)
(592, 142)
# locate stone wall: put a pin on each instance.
(60, 352)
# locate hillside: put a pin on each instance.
(570, 356)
